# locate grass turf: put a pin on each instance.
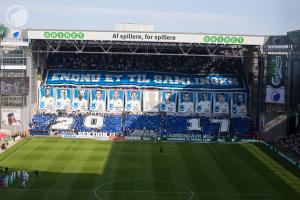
(95, 170)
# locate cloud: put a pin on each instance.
(103, 15)
(88, 11)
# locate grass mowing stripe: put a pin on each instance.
(144, 169)
(275, 167)
(77, 177)
(111, 170)
(32, 158)
(232, 168)
(212, 171)
(177, 166)
(65, 176)
(201, 152)
(126, 168)
(217, 165)
(13, 150)
(191, 164)
(162, 192)
(255, 172)
(162, 164)
(289, 166)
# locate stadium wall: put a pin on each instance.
(250, 72)
(278, 72)
(21, 104)
(295, 94)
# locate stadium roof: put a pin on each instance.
(130, 36)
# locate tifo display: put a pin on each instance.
(108, 97)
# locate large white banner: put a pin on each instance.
(151, 101)
(46, 99)
(80, 99)
(11, 117)
(133, 101)
(98, 100)
(186, 102)
(275, 95)
(146, 37)
(116, 100)
(168, 101)
(221, 103)
(63, 99)
(204, 103)
(239, 104)
(62, 123)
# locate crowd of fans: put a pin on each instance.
(43, 122)
(143, 133)
(144, 124)
(291, 143)
(140, 123)
(173, 64)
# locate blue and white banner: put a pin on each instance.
(186, 102)
(46, 100)
(80, 99)
(145, 80)
(116, 100)
(93, 122)
(63, 99)
(239, 104)
(133, 101)
(275, 95)
(204, 103)
(221, 103)
(62, 123)
(98, 100)
(168, 101)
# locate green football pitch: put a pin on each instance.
(96, 170)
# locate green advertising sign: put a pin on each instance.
(224, 39)
(63, 35)
(276, 70)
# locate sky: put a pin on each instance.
(258, 17)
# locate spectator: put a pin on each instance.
(291, 143)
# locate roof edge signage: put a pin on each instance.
(224, 39)
(63, 35)
(146, 37)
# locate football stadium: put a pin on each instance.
(132, 113)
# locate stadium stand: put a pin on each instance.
(291, 143)
(194, 65)
(131, 124)
(148, 122)
(241, 126)
(142, 123)
(41, 124)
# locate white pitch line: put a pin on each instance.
(143, 179)
(200, 193)
(143, 191)
(45, 189)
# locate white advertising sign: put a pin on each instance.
(146, 37)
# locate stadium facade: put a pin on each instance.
(39, 67)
